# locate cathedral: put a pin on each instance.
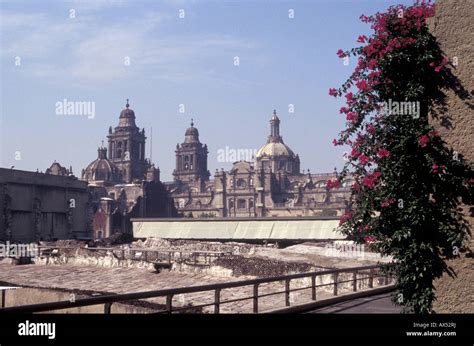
(270, 186)
(124, 184)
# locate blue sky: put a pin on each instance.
(174, 61)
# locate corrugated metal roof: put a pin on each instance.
(238, 229)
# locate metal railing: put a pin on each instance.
(163, 256)
(368, 273)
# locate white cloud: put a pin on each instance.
(90, 50)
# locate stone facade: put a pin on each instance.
(36, 206)
(122, 182)
(271, 186)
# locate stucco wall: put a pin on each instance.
(453, 26)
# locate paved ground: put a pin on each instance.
(127, 280)
(380, 304)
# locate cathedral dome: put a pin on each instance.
(192, 134)
(275, 155)
(127, 117)
(273, 149)
(275, 146)
(101, 169)
(192, 131)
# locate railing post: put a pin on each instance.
(169, 303)
(313, 287)
(255, 298)
(354, 281)
(4, 295)
(287, 292)
(107, 308)
(217, 300)
(335, 276)
(371, 278)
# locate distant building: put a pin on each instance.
(37, 206)
(57, 169)
(272, 185)
(122, 182)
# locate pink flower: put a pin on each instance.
(369, 239)
(345, 217)
(340, 53)
(343, 110)
(333, 92)
(435, 168)
(351, 116)
(370, 180)
(383, 153)
(364, 159)
(349, 96)
(361, 38)
(330, 184)
(334, 142)
(423, 141)
(355, 153)
(371, 129)
(362, 85)
(387, 202)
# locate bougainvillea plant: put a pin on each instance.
(408, 185)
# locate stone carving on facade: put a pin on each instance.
(70, 218)
(7, 214)
(38, 215)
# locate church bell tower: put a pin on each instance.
(127, 147)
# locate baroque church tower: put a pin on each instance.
(191, 158)
(127, 147)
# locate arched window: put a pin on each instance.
(231, 204)
(241, 204)
(241, 183)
